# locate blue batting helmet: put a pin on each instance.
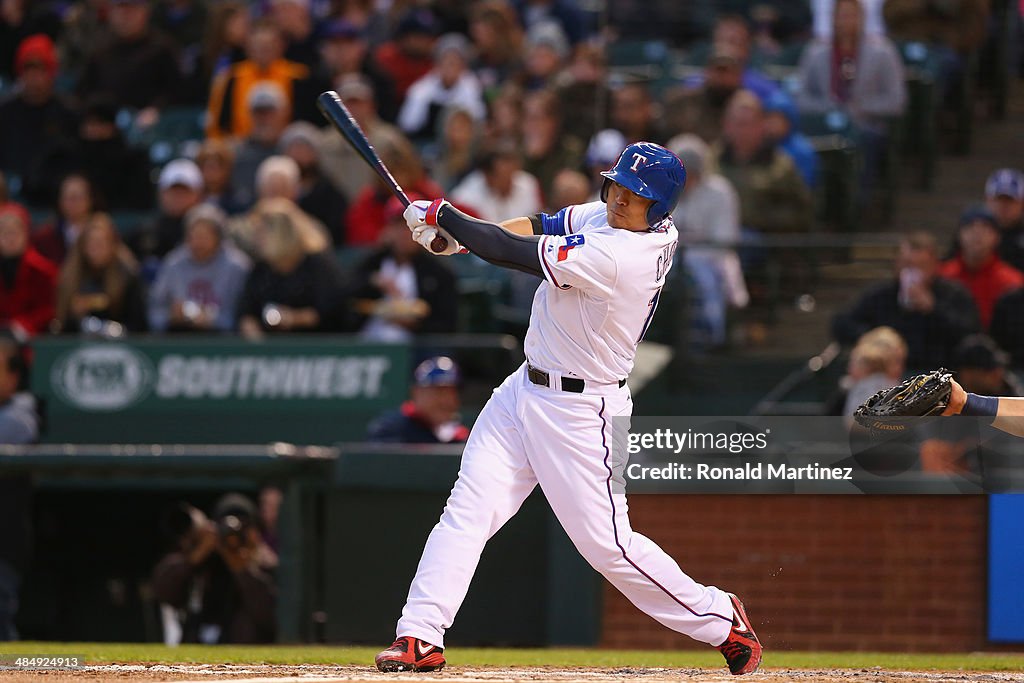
(439, 371)
(650, 171)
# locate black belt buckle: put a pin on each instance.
(538, 376)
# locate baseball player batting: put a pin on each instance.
(549, 423)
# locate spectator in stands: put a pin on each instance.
(499, 189)
(201, 281)
(877, 362)
(314, 193)
(547, 50)
(295, 20)
(634, 113)
(583, 91)
(75, 206)
(187, 24)
(85, 25)
(340, 164)
(400, 290)
(100, 282)
(708, 219)
(566, 13)
(278, 177)
(981, 368)
(27, 280)
(216, 161)
(19, 425)
(602, 153)
(137, 67)
(505, 115)
(824, 20)
(449, 83)
(268, 107)
(931, 313)
(548, 145)
(220, 575)
(408, 56)
(1004, 195)
(733, 32)
(224, 42)
(782, 125)
(119, 172)
(1007, 327)
(451, 158)
(33, 117)
(700, 108)
(20, 19)
(498, 42)
(977, 265)
(431, 415)
(230, 111)
(366, 215)
(570, 187)
(773, 196)
(858, 74)
(180, 188)
(345, 51)
(294, 286)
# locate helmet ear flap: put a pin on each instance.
(604, 190)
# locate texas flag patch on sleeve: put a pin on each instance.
(571, 242)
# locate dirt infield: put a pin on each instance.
(203, 673)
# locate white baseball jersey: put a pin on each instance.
(600, 292)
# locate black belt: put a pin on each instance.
(570, 384)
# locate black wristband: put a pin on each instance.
(980, 406)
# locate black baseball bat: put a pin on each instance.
(335, 111)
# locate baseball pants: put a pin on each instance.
(528, 435)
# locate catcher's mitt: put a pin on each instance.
(920, 396)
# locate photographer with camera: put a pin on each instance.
(218, 585)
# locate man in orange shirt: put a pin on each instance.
(978, 266)
(228, 111)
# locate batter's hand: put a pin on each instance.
(425, 234)
(423, 212)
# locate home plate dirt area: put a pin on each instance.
(203, 673)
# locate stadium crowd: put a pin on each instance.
(166, 170)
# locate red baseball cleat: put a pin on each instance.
(411, 654)
(742, 649)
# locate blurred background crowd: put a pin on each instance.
(165, 169)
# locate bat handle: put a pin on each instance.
(438, 244)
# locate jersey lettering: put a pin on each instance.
(637, 160)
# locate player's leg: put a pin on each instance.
(494, 480)
(570, 449)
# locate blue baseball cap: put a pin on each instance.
(1006, 182)
(439, 371)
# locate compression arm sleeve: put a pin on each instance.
(490, 242)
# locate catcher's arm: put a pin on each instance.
(1008, 412)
